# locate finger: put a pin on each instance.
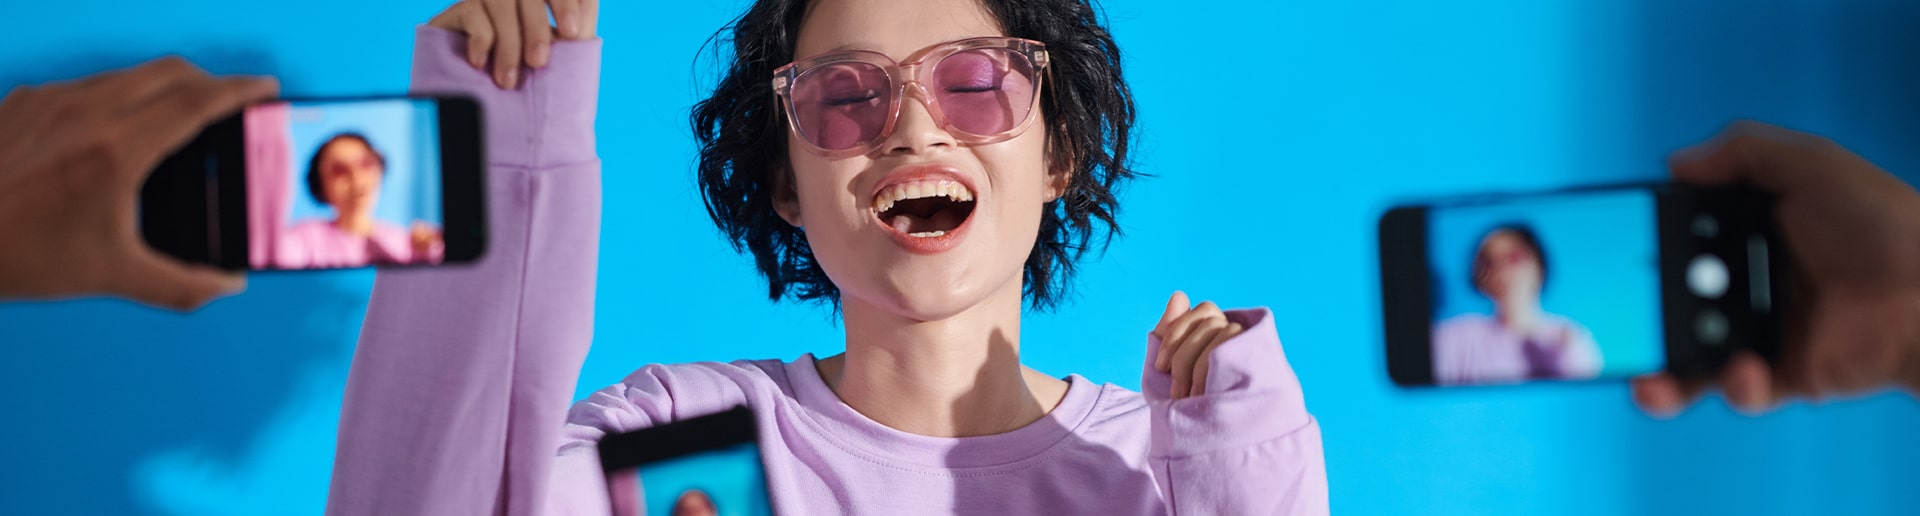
(1187, 353)
(538, 34)
(178, 114)
(589, 19)
(1176, 307)
(505, 17)
(161, 281)
(479, 35)
(1205, 362)
(1181, 327)
(1748, 384)
(566, 17)
(1764, 155)
(133, 87)
(1663, 396)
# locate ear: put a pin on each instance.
(786, 201)
(1060, 164)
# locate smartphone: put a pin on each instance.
(1589, 283)
(325, 184)
(703, 466)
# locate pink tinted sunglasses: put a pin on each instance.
(980, 90)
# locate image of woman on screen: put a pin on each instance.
(345, 174)
(1520, 340)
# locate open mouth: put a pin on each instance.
(924, 209)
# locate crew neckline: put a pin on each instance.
(883, 444)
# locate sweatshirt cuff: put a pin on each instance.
(1252, 395)
(545, 121)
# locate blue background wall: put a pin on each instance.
(1603, 272)
(1312, 118)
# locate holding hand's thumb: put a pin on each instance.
(161, 281)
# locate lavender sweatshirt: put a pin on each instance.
(457, 399)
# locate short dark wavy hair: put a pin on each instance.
(316, 185)
(1089, 113)
(1528, 237)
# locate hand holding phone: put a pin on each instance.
(1854, 232)
(73, 157)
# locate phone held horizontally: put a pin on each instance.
(1588, 283)
(326, 184)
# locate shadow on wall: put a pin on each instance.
(99, 390)
(1846, 69)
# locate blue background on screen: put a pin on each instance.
(731, 477)
(1279, 131)
(1603, 268)
(406, 132)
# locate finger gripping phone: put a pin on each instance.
(1589, 283)
(325, 184)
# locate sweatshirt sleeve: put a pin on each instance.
(462, 377)
(1247, 446)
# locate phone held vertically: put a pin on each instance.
(336, 183)
(1589, 283)
(707, 465)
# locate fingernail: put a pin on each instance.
(568, 28)
(513, 77)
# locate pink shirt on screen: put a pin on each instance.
(319, 243)
(1476, 348)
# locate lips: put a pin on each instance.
(924, 208)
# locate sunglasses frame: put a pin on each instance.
(915, 69)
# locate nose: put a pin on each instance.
(916, 131)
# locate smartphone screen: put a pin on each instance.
(725, 481)
(337, 184)
(1552, 287)
(325, 184)
(702, 466)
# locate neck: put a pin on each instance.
(355, 222)
(1518, 314)
(956, 377)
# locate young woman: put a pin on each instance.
(1520, 340)
(927, 166)
(345, 174)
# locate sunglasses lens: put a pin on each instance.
(840, 106)
(984, 92)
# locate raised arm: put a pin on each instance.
(1239, 441)
(463, 374)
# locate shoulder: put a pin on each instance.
(310, 227)
(1463, 323)
(660, 393)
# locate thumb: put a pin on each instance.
(161, 281)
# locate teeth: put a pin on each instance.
(927, 234)
(920, 190)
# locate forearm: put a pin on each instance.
(459, 386)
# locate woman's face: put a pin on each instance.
(350, 176)
(929, 259)
(1507, 268)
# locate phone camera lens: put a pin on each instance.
(1705, 226)
(1710, 327)
(1707, 276)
